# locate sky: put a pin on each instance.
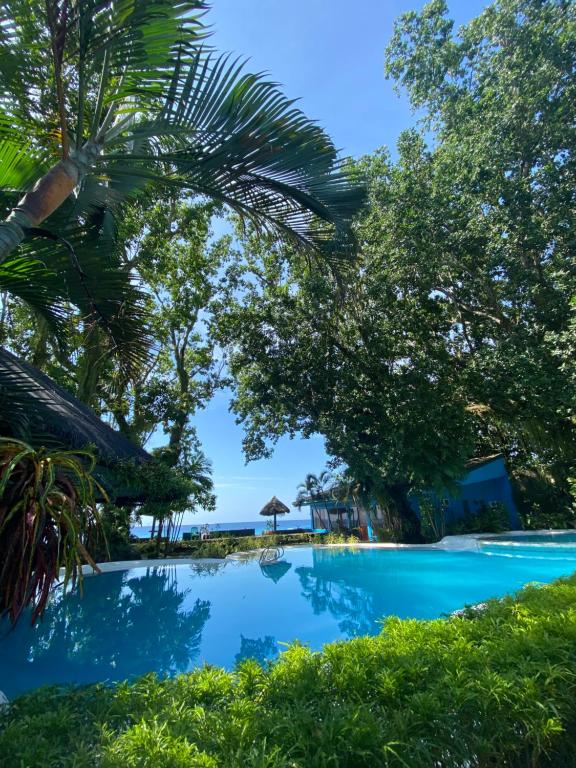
(330, 55)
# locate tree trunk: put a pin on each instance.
(40, 354)
(47, 196)
(90, 367)
(398, 493)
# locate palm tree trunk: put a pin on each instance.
(47, 196)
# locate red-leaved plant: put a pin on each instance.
(47, 515)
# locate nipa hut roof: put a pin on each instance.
(36, 409)
(274, 507)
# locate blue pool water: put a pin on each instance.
(170, 619)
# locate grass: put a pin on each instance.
(493, 690)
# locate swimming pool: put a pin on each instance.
(171, 618)
(545, 538)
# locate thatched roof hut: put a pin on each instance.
(36, 409)
(273, 508)
(275, 571)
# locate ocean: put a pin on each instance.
(143, 531)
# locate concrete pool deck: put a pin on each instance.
(464, 543)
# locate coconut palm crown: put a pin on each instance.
(102, 99)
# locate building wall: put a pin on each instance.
(486, 483)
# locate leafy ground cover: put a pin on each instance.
(490, 689)
(221, 547)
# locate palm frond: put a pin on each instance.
(234, 137)
(38, 286)
(136, 35)
(20, 165)
(94, 279)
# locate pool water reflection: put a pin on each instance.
(169, 619)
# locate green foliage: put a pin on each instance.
(134, 101)
(542, 504)
(222, 546)
(47, 517)
(498, 214)
(167, 489)
(433, 517)
(553, 518)
(451, 335)
(167, 244)
(339, 538)
(112, 541)
(491, 517)
(497, 689)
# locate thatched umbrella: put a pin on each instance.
(274, 507)
(275, 571)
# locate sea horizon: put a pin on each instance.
(143, 531)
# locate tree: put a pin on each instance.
(350, 358)
(315, 488)
(501, 97)
(444, 338)
(137, 107)
(132, 100)
(166, 246)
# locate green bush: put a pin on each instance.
(112, 542)
(491, 517)
(432, 517)
(497, 690)
(339, 538)
(543, 504)
(223, 546)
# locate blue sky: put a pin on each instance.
(329, 54)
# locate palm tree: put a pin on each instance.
(131, 100)
(198, 470)
(315, 488)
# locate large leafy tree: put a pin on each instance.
(500, 95)
(354, 358)
(102, 103)
(168, 245)
(451, 333)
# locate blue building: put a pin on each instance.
(485, 482)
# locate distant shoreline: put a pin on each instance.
(143, 531)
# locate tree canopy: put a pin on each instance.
(450, 334)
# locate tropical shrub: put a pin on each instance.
(339, 538)
(47, 515)
(494, 690)
(221, 547)
(432, 517)
(541, 503)
(490, 517)
(112, 540)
